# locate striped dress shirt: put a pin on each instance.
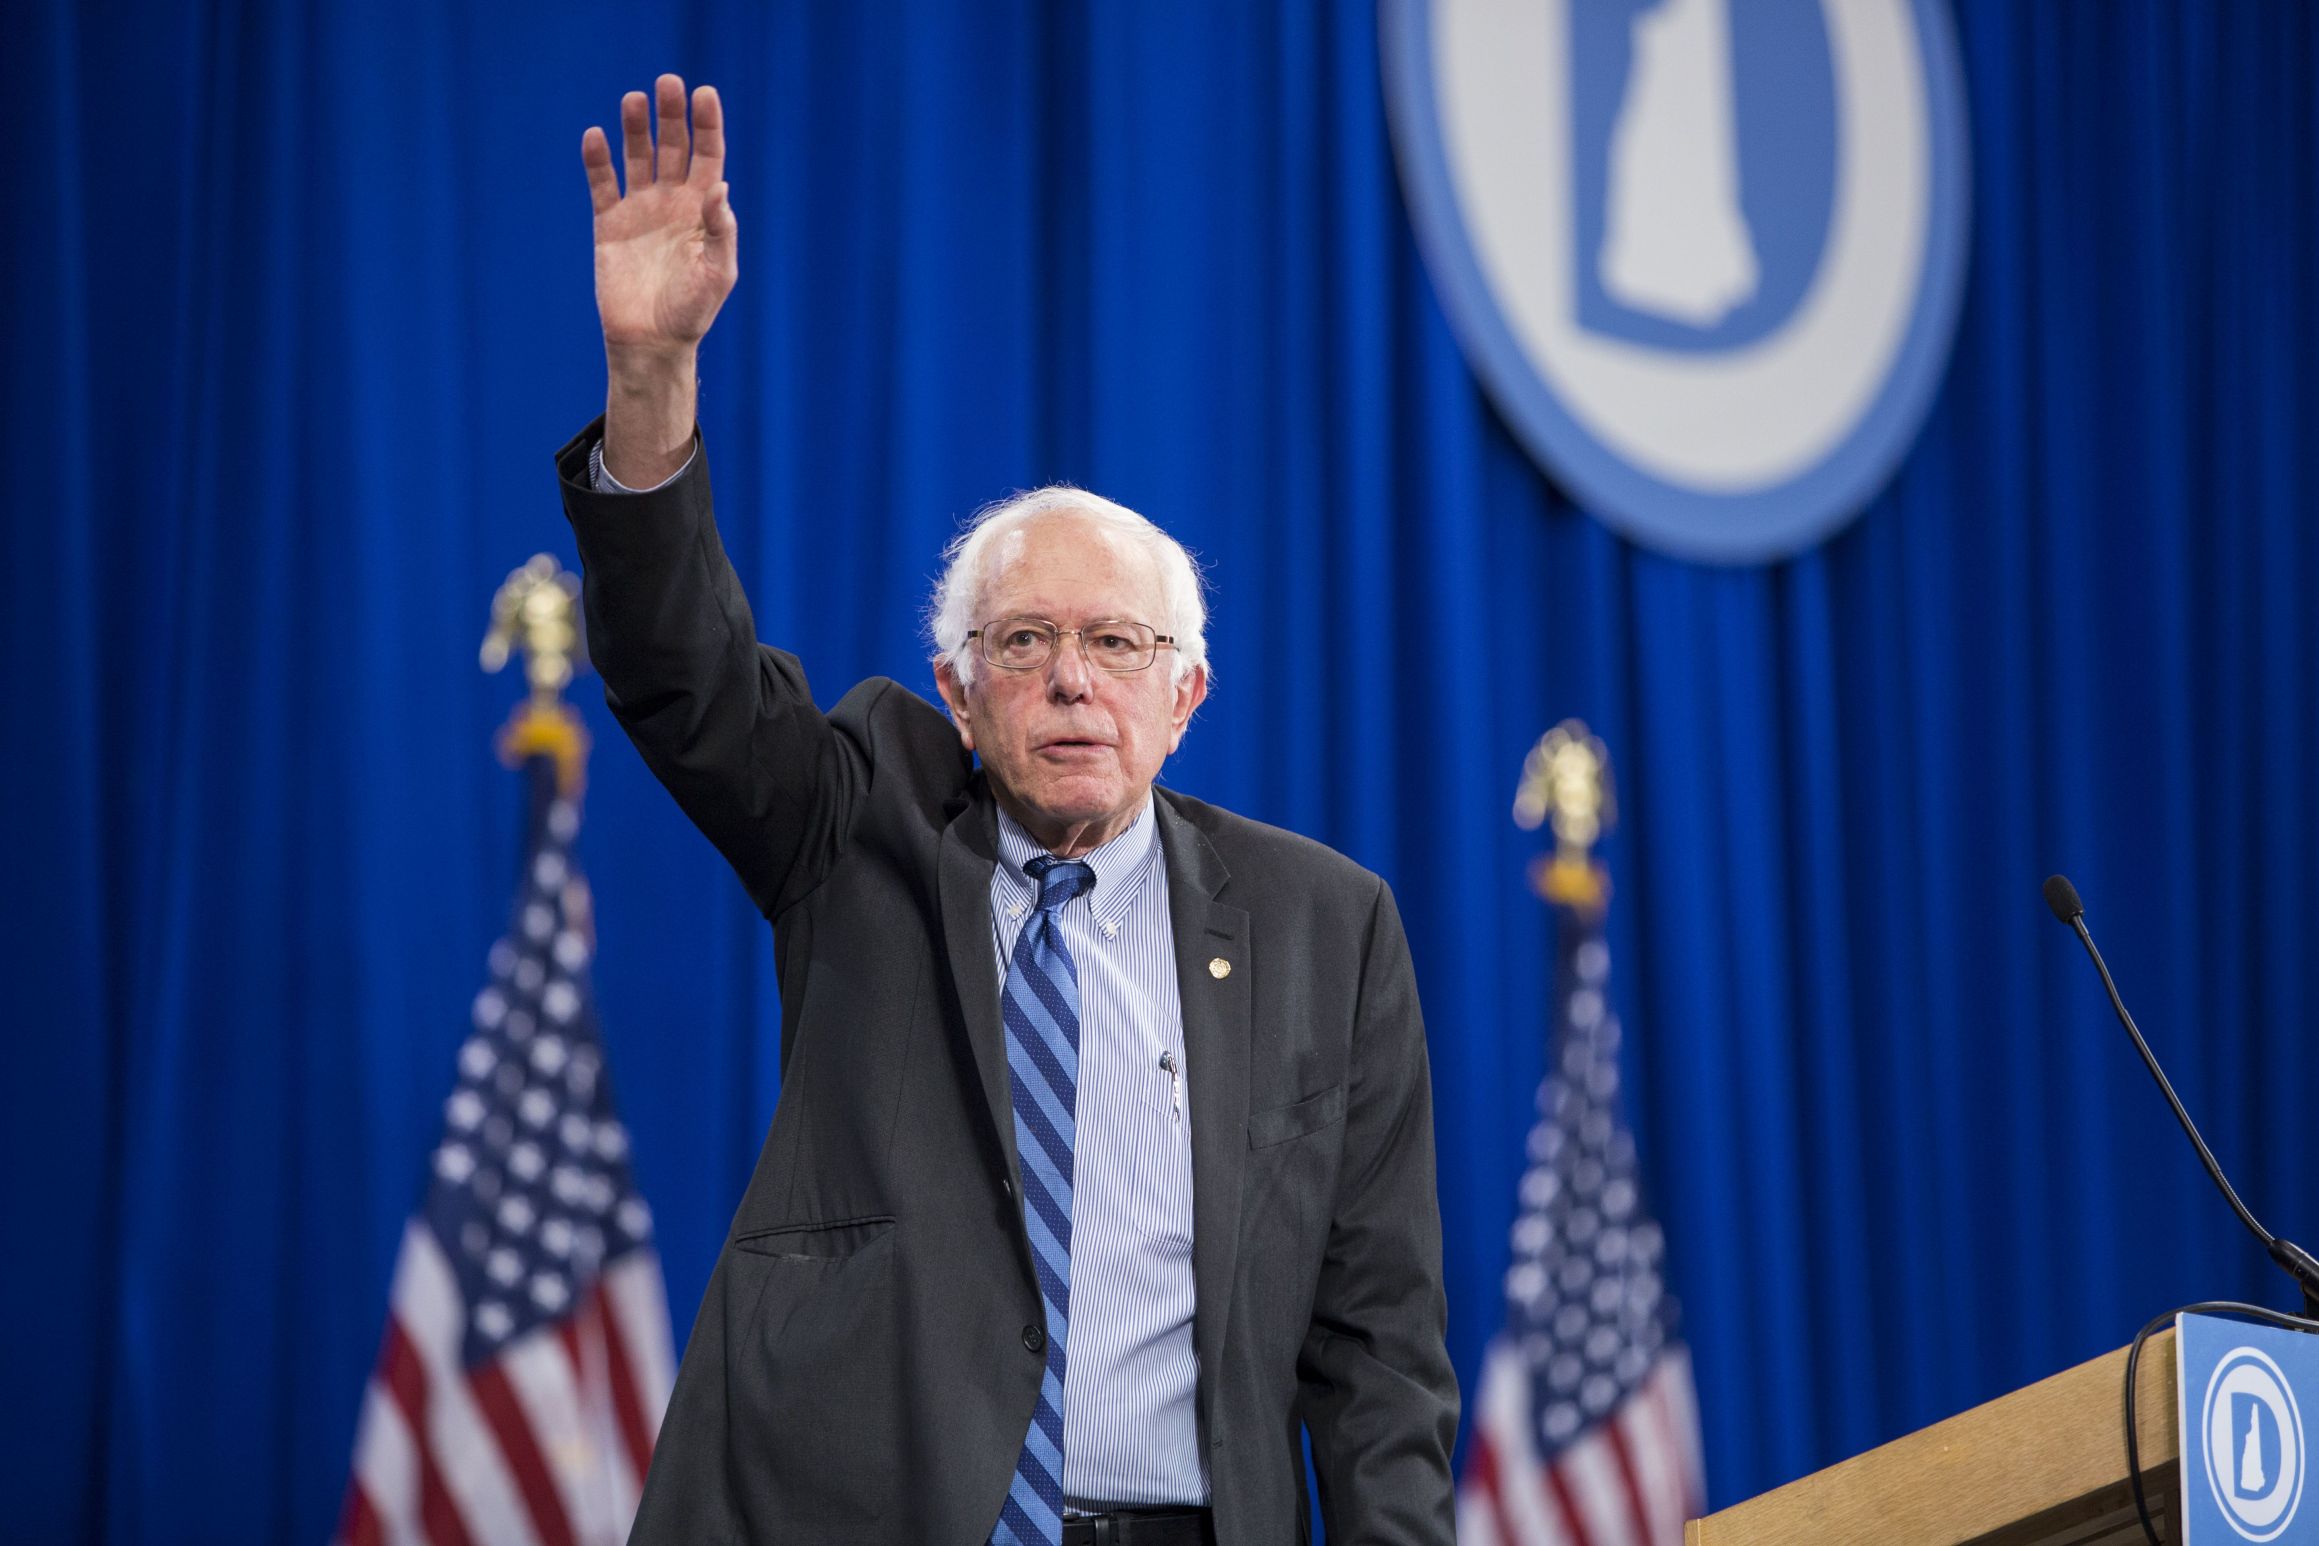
(1130, 1434)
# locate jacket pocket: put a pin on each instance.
(1279, 1124)
(812, 1387)
(831, 1242)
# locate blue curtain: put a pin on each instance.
(297, 304)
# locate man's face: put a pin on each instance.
(1071, 750)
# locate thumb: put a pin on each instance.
(724, 227)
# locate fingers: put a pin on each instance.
(676, 157)
(636, 139)
(708, 131)
(596, 158)
(675, 142)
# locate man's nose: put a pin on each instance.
(1069, 676)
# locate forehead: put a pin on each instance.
(1069, 567)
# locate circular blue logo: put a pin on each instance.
(2253, 1433)
(1706, 258)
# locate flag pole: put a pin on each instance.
(527, 1358)
(1585, 1427)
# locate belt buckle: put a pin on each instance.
(1093, 1530)
(1105, 1529)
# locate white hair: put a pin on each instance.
(956, 608)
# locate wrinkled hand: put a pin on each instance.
(667, 252)
(666, 256)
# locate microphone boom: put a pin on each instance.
(2062, 897)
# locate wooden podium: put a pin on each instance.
(2044, 1466)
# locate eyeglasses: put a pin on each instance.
(1027, 643)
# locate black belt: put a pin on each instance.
(1142, 1527)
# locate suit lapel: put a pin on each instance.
(968, 854)
(1217, 1027)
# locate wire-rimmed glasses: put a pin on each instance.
(1114, 645)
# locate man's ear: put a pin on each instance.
(954, 695)
(1191, 692)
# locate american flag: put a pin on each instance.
(1585, 1427)
(527, 1355)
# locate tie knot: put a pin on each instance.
(1059, 880)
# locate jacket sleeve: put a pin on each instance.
(728, 725)
(1376, 1390)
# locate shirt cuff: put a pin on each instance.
(602, 481)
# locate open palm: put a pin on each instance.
(667, 252)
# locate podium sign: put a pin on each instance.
(2241, 1390)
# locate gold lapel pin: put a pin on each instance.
(1219, 968)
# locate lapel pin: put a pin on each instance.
(1219, 968)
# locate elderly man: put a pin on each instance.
(1103, 1162)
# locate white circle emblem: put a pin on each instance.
(2254, 1444)
(1705, 256)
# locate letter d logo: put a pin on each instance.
(2254, 1444)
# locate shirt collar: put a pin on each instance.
(1120, 866)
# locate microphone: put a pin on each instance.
(2062, 897)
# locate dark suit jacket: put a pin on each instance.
(862, 1367)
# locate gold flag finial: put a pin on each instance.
(1566, 782)
(537, 611)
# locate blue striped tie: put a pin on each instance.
(1041, 1006)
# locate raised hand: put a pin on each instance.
(667, 253)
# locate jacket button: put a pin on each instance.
(1034, 1339)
